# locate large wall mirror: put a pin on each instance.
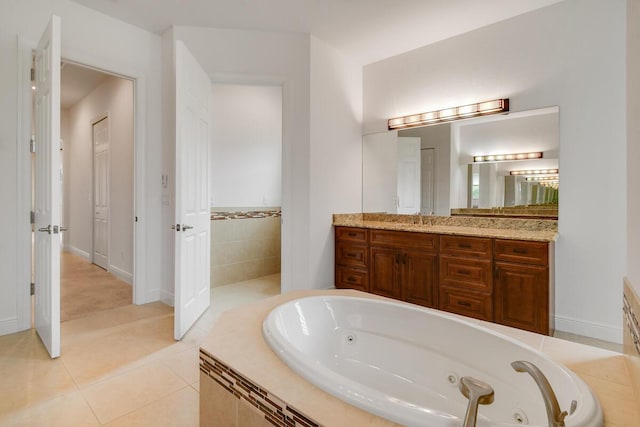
(431, 169)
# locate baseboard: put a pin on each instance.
(589, 329)
(167, 297)
(77, 252)
(8, 326)
(125, 276)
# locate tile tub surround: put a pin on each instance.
(631, 334)
(244, 245)
(541, 230)
(236, 341)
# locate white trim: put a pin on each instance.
(589, 329)
(9, 326)
(125, 276)
(166, 297)
(78, 252)
(24, 233)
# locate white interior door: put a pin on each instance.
(48, 188)
(408, 175)
(193, 213)
(101, 193)
(427, 187)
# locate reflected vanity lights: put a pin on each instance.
(535, 172)
(507, 157)
(495, 106)
(551, 178)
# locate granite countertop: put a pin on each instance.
(499, 228)
(236, 339)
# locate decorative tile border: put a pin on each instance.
(632, 322)
(276, 411)
(245, 215)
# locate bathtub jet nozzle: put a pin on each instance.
(479, 393)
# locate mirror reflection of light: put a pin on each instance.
(302, 319)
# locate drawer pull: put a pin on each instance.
(464, 245)
(351, 254)
(351, 279)
(520, 251)
(464, 303)
(464, 272)
(352, 234)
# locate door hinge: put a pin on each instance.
(33, 288)
(33, 217)
(33, 75)
(32, 145)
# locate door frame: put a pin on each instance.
(95, 121)
(23, 175)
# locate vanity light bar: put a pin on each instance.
(449, 114)
(507, 157)
(555, 178)
(536, 172)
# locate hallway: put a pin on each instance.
(86, 288)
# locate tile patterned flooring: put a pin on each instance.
(119, 367)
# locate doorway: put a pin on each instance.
(97, 174)
(246, 185)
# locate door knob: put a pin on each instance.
(46, 229)
(186, 227)
(63, 229)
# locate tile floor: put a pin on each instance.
(119, 367)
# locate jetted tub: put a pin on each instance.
(403, 362)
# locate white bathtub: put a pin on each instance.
(402, 362)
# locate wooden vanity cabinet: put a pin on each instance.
(352, 258)
(521, 297)
(466, 279)
(499, 280)
(403, 265)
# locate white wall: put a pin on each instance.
(633, 143)
(246, 145)
(114, 98)
(92, 38)
(380, 172)
(552, 56)
(336, 153)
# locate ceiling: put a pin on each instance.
(365, 30)
(76, 82)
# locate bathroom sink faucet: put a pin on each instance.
(554, 414)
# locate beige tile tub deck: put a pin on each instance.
(237, 341)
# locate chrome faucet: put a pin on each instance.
(479, 393)
(554, 414)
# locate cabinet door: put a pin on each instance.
(522, 296)
(384, 277)
(419, 277)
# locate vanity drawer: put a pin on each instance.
(348, 278)
(522, 251)
(352, 234)
(470, 304)
(405, 239)
(469, 247)
(466, 273)
(350, 254)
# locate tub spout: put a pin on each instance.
(478, 392)
(554, 414)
